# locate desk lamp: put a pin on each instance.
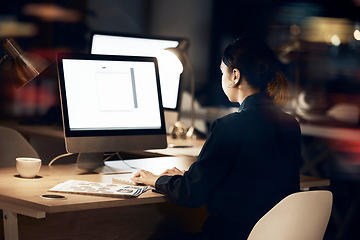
(181, 53)
(27, 66)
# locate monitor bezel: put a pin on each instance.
(150, 37)
(99, 133)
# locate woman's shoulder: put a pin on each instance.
(229, 117)
(230, 120)
(289, 118)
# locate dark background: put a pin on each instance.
(327, 74)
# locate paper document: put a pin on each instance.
(99, 189)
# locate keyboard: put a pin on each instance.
(124, 180)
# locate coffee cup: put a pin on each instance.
(28, 167)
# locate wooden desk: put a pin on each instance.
(307, 182)
(338, 133)
(22, 196)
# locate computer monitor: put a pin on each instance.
(109, 104)
(133, 45)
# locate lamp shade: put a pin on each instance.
(180, 50)
(27, 66)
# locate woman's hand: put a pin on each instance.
(149, 179)
(172, 172)
(145, 177)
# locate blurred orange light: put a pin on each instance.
(357, 34)
(335, 40)
(51, 12)
(330, 30)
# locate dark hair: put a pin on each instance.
(258, 64)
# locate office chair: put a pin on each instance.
(13, 145)
(299, 216)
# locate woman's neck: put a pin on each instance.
(245, 90)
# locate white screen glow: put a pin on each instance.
(104, 94)
(133, 46)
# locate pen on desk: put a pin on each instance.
(111, 173)
(179, 146)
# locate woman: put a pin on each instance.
(251, 158)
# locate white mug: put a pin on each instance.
(28, 167)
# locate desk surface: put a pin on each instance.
(26, 192)
(22, 196)
(337, 133)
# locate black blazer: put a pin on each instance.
(249, 162)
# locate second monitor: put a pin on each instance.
(132, 45)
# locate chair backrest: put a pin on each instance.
(299, 216)
(13, 145)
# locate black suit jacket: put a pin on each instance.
(249, 162)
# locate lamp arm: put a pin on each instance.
(4, 58)
(192, 88)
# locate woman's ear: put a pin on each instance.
(236, 76)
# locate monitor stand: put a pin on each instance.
(171, 116)
(94, 163)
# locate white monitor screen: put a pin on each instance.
(112, 44)
(104, 94)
